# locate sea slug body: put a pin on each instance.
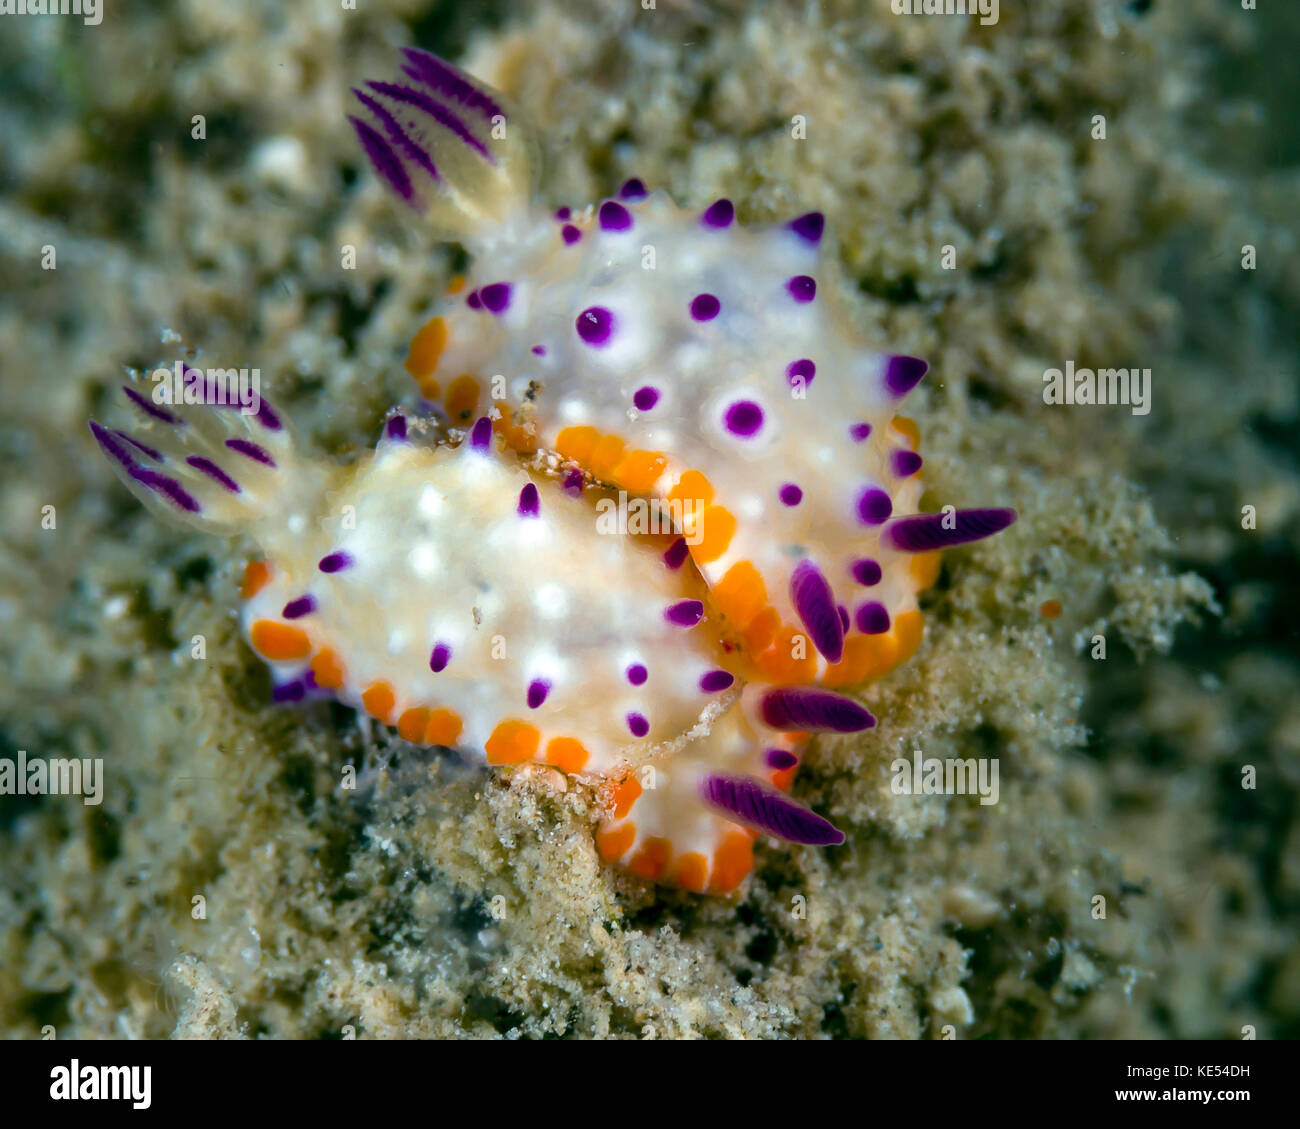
(461, 589)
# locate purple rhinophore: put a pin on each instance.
(293, 691)
(573, 483)
(480, 436)
(705, 307)
(676, 553)
(780, 759)
(474, 300)
(563, 214)
(645, 397)
(866, 572)
(296, 609)
(443, 116)
(718, 214)
(637, 674)
(638, 724)
(595, 325)
(744, 418)
(685, 613)
(150, 408)
(157, 456)
(808, 226)
(814, 602)
(902, 374)
(530, 505)
(874, 506)
(614, 217)
(570, 233)
(335, 562)
(814, 711)
(749, 801)
(922, 532)
(396, 134)
(446, 80)
(169, 488)
(906, 463)
(873, 618)
(395, 429)
(254, 451)
(439, 658)
(715, 681)
(383, 160)
(791, 495)
(538, 688)
(800, 372)
(859, 431)
(633, 189)
(802, 288)
(495, 297)
(266, 416)
(205, 465)
(112, 448)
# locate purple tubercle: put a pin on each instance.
(859, 432)
(780, 759)
(705, 307)
(751, 802)
(872, 618)
(645, 397)
(296, 609)
(614, 217)
(902, 374)
(922, 532)
(874, 506)
(814, 602)
(595, 325)
(638, 724)
(293, 691)
(443, 116)
(796, 708)
(906, 463)
(676, 553)
(866, 572)
(633, 189)
(685, 613)
(539, 350)
(496, 297)
(637, 674)
(802, 288)
(570, 233)
(335, 562)
(150, 408)
(251, 450)
(573, 483)
(530, 504)
(800, 372)
(439, 658)
(205, 465)
(446, 80)
(743, 418)
(791, 495)
(395, 429)
(809, 226)
(384, 160)
(563, 214)
(719, 214)
(538, 688)
(715, 681)
(480, 436)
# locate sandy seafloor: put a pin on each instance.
(439, 900)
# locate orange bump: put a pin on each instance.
(568, 754)
(462, 398)
(907, 427)
(691, 872)
(625, 793)
(651, 861)
(692, 487)
(1050, 609)
(412, 724)
(328, 669)
(733, 859)
(257, 574)
(614, 844)
(444, 728)
(575, 443)
(638, 471)
(924, 568)
(780, 662)
(430, 389)
(279, 642)
(605, 456)
(512, 741)
(741, 594)
(379, 700)
(783, 778)
(908, 629)
(426, 348)
(718, 526)
(456, 284)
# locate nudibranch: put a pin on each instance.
(457, 584)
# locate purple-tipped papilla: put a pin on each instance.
(297, 608)
(685, 613)
(922, 532)
(809, 226)
(902, 374)
(813, 711)
(395, 429)
(480, 437)
(749, 801)
(815, 604)
(780, 759)
(633, 189)
(530, 505)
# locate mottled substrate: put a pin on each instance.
(436, 900)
